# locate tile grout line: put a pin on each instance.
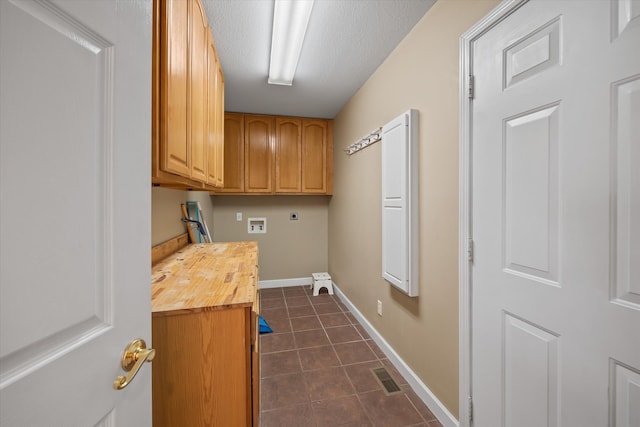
(414, 407)
(295, 344)
(354, 391)
(353, 387)
(313, 413)
(333, 347)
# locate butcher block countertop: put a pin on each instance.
(206, 276)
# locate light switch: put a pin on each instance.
(238, 216)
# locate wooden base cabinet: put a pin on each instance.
(205, 333)
(202, 371)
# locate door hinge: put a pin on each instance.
(470, 250)
(471, 86)
(470, 409)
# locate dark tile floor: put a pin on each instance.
(316, 368)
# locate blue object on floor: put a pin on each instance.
(264, 326)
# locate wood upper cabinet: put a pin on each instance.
(197, 107)
(215, 128)
(219, 157)
(302, 156)
(258, 154)
(288, 143)
(316, 165)
(175, 152)
(277, 155)
(212, 125)
(233, 154)
(188, 100)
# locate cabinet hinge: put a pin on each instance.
(471, 86)
(470, 250)
(470, 409)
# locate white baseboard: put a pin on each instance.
(285, 283)
(437, 408)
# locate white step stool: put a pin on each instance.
(321, 280)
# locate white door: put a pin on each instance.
(556, 217)
(75, 135)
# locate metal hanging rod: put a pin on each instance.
(365, 141)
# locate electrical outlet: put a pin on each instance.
(379, 308)
(238, 216)
(293, 216)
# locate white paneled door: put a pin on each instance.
(75, 130)
(555, 281)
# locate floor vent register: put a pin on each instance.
(386, 381)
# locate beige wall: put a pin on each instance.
(166, 213)
(421, 73)
(289, 249)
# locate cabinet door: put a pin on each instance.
(258, 151)
(212, 112)
(315, 155)
(400, 202)
(175, 148)
(288, 143)
(204, 377)
(219, 125)
(255, 358)
(233, 154)
(197, 111)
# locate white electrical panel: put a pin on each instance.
(400, 202)
(257, 225)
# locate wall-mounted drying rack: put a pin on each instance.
(365, 141)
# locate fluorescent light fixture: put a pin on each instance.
(290, 20)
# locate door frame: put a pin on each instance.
(465, 244)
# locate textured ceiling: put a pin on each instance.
(345, 43)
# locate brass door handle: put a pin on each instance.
(134, 355)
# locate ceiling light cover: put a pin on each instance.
(290, 20)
